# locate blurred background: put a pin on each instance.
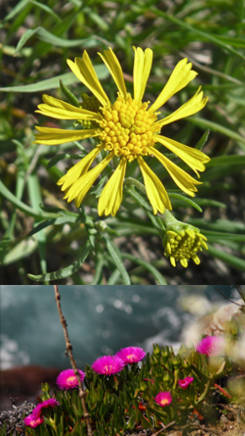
(101, 319)
(36, 39)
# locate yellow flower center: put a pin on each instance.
(70, 380)
(108, 369)
(184, 245)
(164, 401)
(127, 128)
(130, 357)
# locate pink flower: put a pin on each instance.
(108, 365)
(33, 420)
(51, 402)
(184, 383)
(131, 354)
(67, 379)
(211, 345)
(163, 398)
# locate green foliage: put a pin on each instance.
(125, 401)
(34, 220)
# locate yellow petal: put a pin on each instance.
(55, 108)
(182, 179)
(78, 169)
(191, 156)
(113, 65)
(155, 191)
(53, 136)
(85, 72)
(112, 194)
(180, 77)
(142, 68)
(80, 188)
(195, 104)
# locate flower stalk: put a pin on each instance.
(69, 352)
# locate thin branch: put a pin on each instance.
(164, 427)
(81, 392)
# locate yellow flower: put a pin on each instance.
(126, 129)
(182, 241)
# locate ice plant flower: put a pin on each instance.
(182, 241)
(131, 354)
(67, 379)
(33, 420)
(184, 383)
(127, 129)
(108, 365)
(163, 398)
(211, 345)
(51, 402)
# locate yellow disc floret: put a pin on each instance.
(183, 245)
(127, 128)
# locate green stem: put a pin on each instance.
(130, 181)
(169, 219)
(203, 395)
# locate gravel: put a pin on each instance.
(13, 419)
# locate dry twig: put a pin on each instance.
(81, 392)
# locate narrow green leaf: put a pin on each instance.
(129, 228)
(65, 272)
(234, 160)
(203, 140)
(21, 250)
(140, 200)
(101, 23)
(22, 206)
(16, 10)
(117, 260)
(221, 225)
(204, 35)
(210, 202)
(50, 38)
(230, 259)
(223, 236)
(185, 201)
(215, 127)
(113, 279)
(46, 9)
(70, 217)
(36, 202)
(235, 42)
(160, 280)
(98, 270)
(43, 85)
(41, 226)
(25, 37)
(68, 94)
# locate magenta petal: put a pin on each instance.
(163, 398)
(184, 383)
(67, 379)
(131, 354)
(108, 365)
(33, 420)
(211, 345)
